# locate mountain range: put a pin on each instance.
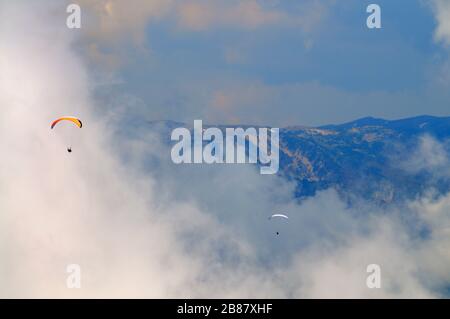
(381, 161)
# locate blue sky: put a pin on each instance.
(344, 52)
(317, 63)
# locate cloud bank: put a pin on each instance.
(140, 228)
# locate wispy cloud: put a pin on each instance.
(441, 9)
(111, 25)
(430, 156)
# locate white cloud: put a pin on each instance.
(430, 156)
(113, 26)
(441, 10)
(247, 101)
(338, 273)
(249, 14)
(153, 233)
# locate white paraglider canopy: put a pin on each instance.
(278, 215)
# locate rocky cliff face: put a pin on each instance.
(371, 159)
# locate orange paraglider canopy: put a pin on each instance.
(75, 120)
